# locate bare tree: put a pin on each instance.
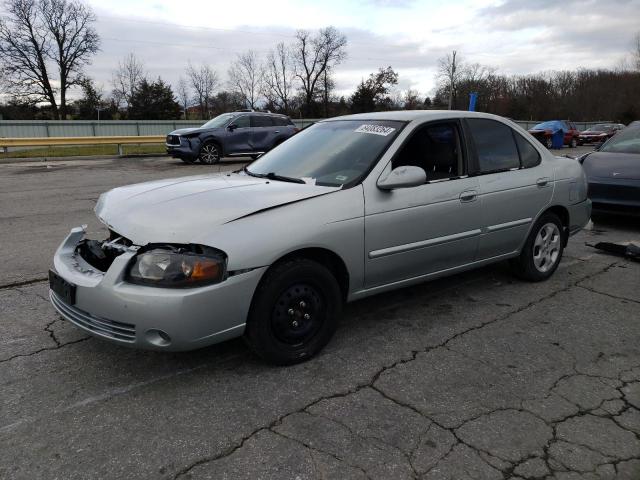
(39, 37)
(204, 81)
(411, 100)
(449, 72)
(126, 78)
(184, 94)
(278, 77)
(245, 77)
(313, 54)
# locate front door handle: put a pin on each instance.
(468, 196)
(543, 182)
(277, 131)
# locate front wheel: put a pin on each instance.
(294, 313)
(542, 251)
(209, 154)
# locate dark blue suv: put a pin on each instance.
(230, 134)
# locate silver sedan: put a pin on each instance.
(350, 207)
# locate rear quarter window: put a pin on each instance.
(529, 156)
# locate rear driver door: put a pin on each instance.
(515, 185)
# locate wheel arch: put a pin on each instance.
(212, 139)
(325, 257)
(563, 214)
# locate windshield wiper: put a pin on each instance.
(273, 176)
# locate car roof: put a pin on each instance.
(415, 115)
(268, 114)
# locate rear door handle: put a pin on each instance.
(468, 196)
(543, 182)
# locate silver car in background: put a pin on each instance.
(350, 207)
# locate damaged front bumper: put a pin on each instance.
(107, 306)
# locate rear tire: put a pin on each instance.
(294, 313)
(542, 251)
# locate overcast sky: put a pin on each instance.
(515, 36)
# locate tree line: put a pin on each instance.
(46, 46)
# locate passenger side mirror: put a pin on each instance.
(403, 177)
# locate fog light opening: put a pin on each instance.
(158, 338)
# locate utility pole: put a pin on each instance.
(452, 78)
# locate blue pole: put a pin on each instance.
(473, 97)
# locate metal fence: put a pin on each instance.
(90, 128)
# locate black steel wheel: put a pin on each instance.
(294, 313)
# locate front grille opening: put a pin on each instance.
(173, 140)
(100, 254)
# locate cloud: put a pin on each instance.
(515, 36)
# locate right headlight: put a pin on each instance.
(177, 268)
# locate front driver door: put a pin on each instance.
(411, 232)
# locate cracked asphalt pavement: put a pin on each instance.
(477, 376)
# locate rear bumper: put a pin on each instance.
(131, 315)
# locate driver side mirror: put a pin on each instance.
(403, 177)
(232, 126)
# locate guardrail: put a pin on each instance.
(6, 143)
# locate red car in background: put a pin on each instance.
(545, 131)
(599, 133)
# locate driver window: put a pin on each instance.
(436, 149)
(241, 122)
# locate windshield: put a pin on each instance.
(601, 127)
(330, 153)
(625, 141)
(219, 121)
(552, 125)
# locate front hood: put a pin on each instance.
(188, 131)
(612, 166)
(182, 209)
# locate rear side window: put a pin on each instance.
(281, 121)
(261, 121)
(495, 146)
(529, 156)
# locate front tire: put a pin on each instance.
(542, 251)
(294, 313)
(209, 154)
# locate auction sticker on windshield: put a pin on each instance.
(375, 129)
